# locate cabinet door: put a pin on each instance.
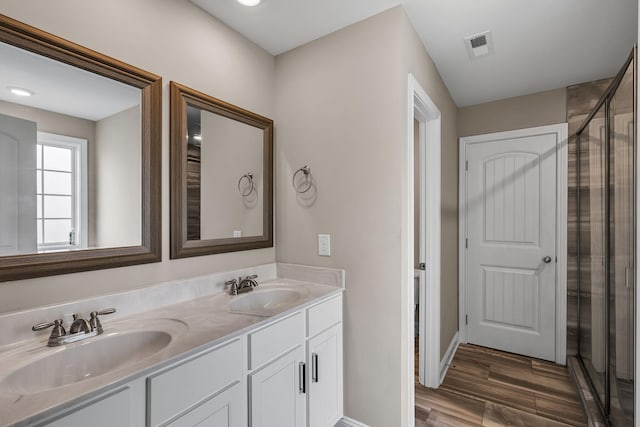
(113, 410)
(278, 392)
(325, 377)
(222, 410)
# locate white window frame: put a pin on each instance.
(80, 188)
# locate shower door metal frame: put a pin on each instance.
(605, 99)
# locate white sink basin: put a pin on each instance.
(83, 360)
(267, 301)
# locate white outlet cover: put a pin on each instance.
(324, 244)
(237, 233)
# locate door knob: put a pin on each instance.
(547, 259)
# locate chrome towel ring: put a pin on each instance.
(303, 186)
(249, 184)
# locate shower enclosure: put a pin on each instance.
(606, 150)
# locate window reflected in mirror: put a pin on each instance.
(70, 157)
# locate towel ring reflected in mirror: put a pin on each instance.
(248, 177)
(304, 185)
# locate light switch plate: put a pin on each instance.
(324, 244)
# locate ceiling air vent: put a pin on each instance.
(478, 45)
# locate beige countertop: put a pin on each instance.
(195, 325)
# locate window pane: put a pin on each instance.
(39, 182)
(39, 156)
(39, 228)
(57, 230)
(57, 207)
(39, 212)
(57, 183)
(57, 158)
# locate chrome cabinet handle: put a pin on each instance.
(301, 378)
(546, 259)
(106, 311)
(314, 367)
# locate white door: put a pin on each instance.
(325, 378)
(511, 231)
(17, 186)
(278, 392)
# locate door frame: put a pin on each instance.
(562, 155)
(421, 107)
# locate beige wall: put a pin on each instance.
(339, 110)
(229, 150)
(177, 40)
(538, 109)
(118, 179)
(341, 107)
(60, 124)
(418, 63)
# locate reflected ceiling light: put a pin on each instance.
(19, 91)
(249, 2)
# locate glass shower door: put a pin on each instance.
(592, 285)
(621, 251)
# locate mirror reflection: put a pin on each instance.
(224, 177)
(221, 176)
(70, 157)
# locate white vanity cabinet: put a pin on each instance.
(124, 406)
(277, 387)
(287, 373)
(203, 390)
(324, 358)
(295, 369)
(276, 392)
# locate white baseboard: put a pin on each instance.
(448, 356)
(349, 422)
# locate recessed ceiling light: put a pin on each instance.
(249, 2)
(19, 91)
(197, 137)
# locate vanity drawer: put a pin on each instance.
(173, 391)
(324, 315)
(275, 339)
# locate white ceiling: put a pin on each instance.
(61, 88)
(539, 44)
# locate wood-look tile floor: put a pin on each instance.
(485, 387)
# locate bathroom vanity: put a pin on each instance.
(269, 357)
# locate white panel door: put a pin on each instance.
(325, 377)
(17, 186)
(223, 410)
(277, 392)
(511, 223)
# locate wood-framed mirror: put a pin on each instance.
(80, 157)
(221, 176)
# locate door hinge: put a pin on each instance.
(466, 243)
(466, 319)
(466, 165)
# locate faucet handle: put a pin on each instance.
(58, 329)
(94, 321)
(233, 283)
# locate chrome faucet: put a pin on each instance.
(240, 285)
(80, 328)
